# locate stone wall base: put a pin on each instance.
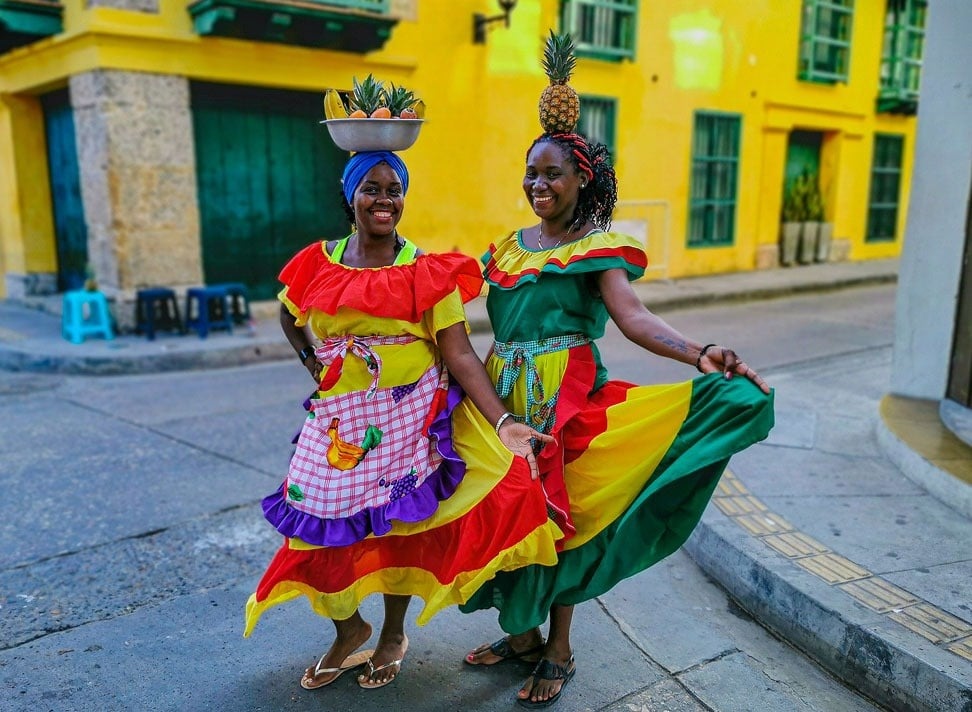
(840, 250)
(35, 284)
(767, 256)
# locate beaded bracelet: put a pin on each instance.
(698, 361)
(502, 419)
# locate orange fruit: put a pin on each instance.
(381, 112)
(357, 114)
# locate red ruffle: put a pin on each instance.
(395, 292)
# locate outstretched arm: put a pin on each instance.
(653, 333)
(464, 365)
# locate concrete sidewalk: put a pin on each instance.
(833, 532)
(30, 334)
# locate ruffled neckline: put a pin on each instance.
(511, 263)
(312, 280)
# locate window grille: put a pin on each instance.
(825, 35)
(603, 29)
(715, 167)
(882, 209)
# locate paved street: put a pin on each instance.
(131, 535)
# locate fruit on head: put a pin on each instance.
(371, 98)
(368, 95)
(559, 103)
(333, 106)
(400, 100)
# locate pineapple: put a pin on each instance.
(368, 96)
(401, 101)
(559, 103)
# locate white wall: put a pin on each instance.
(935, 234)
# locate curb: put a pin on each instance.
(892, 666)
(657, 296)
(721, 296)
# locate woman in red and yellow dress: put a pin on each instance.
(384, 493)
(631, 467)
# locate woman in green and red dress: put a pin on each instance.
(395, 471)
(632, 467)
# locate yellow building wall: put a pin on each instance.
(714, 55)
(26, 224)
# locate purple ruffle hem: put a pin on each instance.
(414, 507)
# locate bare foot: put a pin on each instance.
(547, 685)
(348, 640)
(519, 646)
(385, 663)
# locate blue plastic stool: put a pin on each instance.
(207, 308)
(239, 300)
(156, 308)
(85, 313)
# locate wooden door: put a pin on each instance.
(268, 179)
(70, 230)
(802, 155)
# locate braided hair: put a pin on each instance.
(596, 201)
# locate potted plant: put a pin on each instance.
(807, 189)
(825, 230)
(791, 226)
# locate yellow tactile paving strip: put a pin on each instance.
(941, 628)
(917, 423)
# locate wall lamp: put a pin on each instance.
(480, 21)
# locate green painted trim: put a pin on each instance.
(707, 238)
(886, 163)
(591, 104)
(572, 21)
(282, 22)
(807, 68)
(24, 22)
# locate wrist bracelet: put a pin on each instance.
(698, 361)
(502, 419)
(305, 352)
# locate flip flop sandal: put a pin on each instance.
(350, 663)
(504, 650)
(547, 670)
(365, 679)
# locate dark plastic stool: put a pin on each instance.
(207, 308)
(156, 308)
(239, 300)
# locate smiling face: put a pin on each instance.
(551, 183)
(378, 202)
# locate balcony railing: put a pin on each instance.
(343, 25)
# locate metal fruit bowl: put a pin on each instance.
(373, 134)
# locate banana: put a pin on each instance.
(419, 109)
(340, 454)
(333, 106)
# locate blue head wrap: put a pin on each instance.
(360, 163)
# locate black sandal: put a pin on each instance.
(502, 649)
(547, 670)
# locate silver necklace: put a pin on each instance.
(556, 244)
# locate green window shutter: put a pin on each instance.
(601, 29)
(882, 209)
(901, 58)
(715, 170)
(598, 119)
(825, 35)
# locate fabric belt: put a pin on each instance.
(334, 350)
(521, 355)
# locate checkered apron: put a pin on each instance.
(394, 467)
